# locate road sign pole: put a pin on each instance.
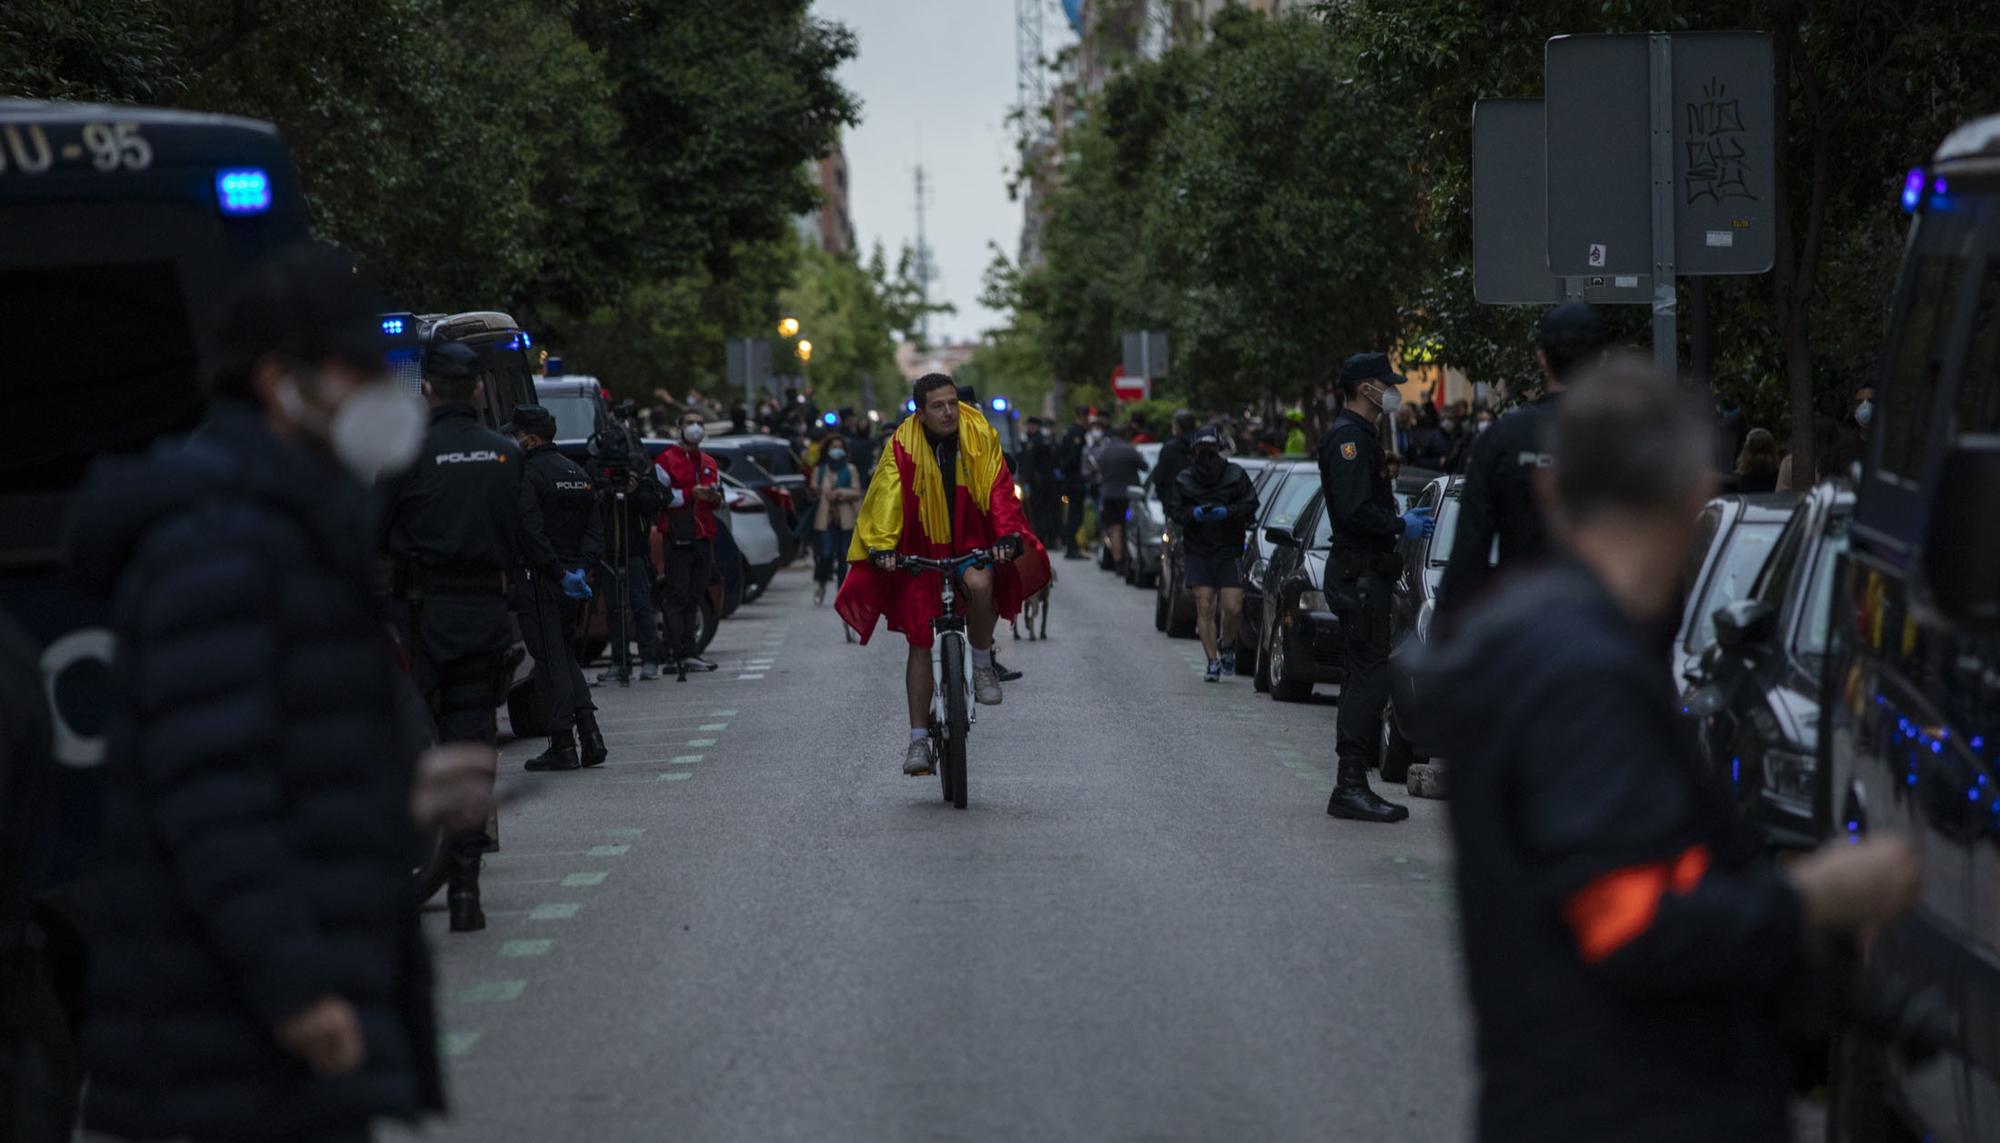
(1666, 305)
(1146, 361)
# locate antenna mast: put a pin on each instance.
(923, 267)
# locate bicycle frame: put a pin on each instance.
(949, 633)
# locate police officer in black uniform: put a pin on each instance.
(1362, 566)
(451, 525)
(1498, 496)
(562, 536)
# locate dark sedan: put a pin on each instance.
(1287, 487)
(1301, 636)
(1758, 697)
(1735, 541)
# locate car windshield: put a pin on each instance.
(576, 415)
(1291, 497)
(1811, 644)
(1745, 549)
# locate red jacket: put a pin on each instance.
(684, 471)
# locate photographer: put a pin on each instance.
(632, 498)
(1632, 955)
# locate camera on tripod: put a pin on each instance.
(618, 452)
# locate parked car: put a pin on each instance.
(1757, 692)
(1412, 608)
(773, 454)
(1145, 524)
(1301, 636)
(784, 499)
(1410, 483)
(1288, 486)
(1733, 545)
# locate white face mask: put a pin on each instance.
(1864, 412)
(1390, 400)
(693, 434)
(1484, 425)
(376, 431)
(1095, 435)
(1448, 425)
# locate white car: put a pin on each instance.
(750, 525)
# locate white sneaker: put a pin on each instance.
(986, 686)
(917, 759)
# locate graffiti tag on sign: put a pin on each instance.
(1718, 165)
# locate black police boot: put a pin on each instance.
(591, 739)
(561, 754)
(1354, 801)
(463, 893)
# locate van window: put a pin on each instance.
(1977, 389)
(1905, 401)
(1811, 640)
(1777, 578)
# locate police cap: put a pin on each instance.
(452, 361)
(532, 419)
(1369, 367)
(1572, 322)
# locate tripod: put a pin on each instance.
(621, 587)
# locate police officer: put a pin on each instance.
(1363, 563)
(561, 538)
(1498, 496)
(451, 525)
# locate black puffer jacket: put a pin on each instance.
(258, 812)
(1227, 487)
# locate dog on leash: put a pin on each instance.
(1035, 610)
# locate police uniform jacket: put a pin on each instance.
(1629, 952)
(559, 519)
(1498, 499)
(1354, 477)
(457, 507)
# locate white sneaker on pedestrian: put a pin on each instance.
(917, 759)
(986, 686)
(649, 672)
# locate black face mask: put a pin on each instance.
(1208, 463)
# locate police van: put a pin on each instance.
(120, 227)
(501, 343)
(1910, 738)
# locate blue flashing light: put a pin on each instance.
(514, 342)
(1736, 769)
(392, 326)
(243, 190)
(829, 418)
(1912, 779)
(1972, 795)
(1937, 747)
(1913, 190)
(526, 341)
(1978, 743)
(910, 406)
(1000, 404)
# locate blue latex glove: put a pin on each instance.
(1419, 523)
(1211, 513)
(573, 584)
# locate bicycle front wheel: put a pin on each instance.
(957, 725)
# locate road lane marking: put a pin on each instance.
(748, 678)
(713, 726)
(653, 778)
(584, 880)
(626, 831)
(607, 851)
(559, 911)
(492, 992)
(456, 1044)
(721, 714)
(684, 760)
(701, 742)
(519, 947)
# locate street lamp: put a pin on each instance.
(788, 327)
(805, 349)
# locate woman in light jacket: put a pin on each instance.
(838, 487)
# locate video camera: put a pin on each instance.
(618, 452)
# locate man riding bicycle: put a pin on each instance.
(941, 489)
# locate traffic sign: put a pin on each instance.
(1721, 119)
(1129, 389)
(1145, 353)
(1510, 216)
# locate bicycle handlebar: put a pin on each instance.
(978, 557)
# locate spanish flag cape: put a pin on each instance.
(905, 511)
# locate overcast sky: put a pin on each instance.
(936, 81)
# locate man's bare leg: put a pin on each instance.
(1232, 614)
(981, 616)
(1204, 618)
(917, 684)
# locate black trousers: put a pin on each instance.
(457, 655)
(681, 588)
(1361, 603)
(548, 627)
(1045, 513)
(645, 624)
(1072, 516)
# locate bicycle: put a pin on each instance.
(952, 713)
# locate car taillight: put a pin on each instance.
(742, 502)
(778, 496)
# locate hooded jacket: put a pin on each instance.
(1629, 952)
(257, 814)
(1227, 487)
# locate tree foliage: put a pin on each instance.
(622, 173)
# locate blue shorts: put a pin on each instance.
(1210, 571)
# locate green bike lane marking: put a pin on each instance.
(456, 1044)
(527, 946)
(584, 880)
(491, 992)
(555, 911)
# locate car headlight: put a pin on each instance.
(1018, 494)
(1312, 601)
(1424, 615)
(1788, 776)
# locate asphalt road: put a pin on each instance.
(750, 926)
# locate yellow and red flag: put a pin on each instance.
(905, 511)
